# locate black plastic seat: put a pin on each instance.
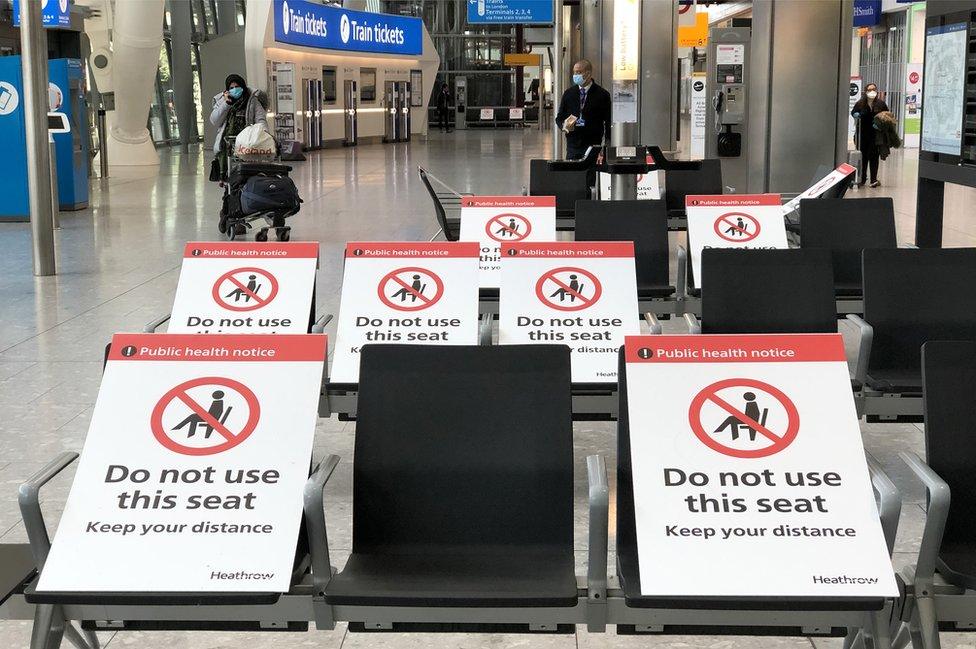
(767, 291)
(643, 222)
(682, 178)
(846, 226)
(567, 186)
(16, 568)
(463, 479)
(628, 570)
(949, 371)
(912, 296)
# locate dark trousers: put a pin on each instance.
(575, 151)
(442, 122)
(871, 160)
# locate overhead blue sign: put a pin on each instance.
(54, 13)
(867, 13)
(308, 24)
(510, 11)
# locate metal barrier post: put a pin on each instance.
(102, 144)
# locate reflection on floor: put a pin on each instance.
(119, 262)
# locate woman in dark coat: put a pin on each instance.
(869, 105)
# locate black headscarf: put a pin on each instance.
(239, 80)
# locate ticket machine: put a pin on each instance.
(66, 94)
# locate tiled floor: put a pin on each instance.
(119, 263)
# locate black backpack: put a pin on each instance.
(264, 194)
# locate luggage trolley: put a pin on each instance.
(257, 190)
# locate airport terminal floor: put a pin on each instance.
(118, 266)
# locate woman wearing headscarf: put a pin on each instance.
(235, 108)
(864, 111)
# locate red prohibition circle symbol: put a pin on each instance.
(235, 293)
(913, 77)
(200, 416)
(578, 290)
(755, 431)
(737, 227)
(508, 227)
(410, 293)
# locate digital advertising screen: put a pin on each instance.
(944, 90)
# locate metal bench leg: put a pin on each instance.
(76, 638)
(880, 632)
(42, 634)
(92, 638)
(924, 624)
(902, 638)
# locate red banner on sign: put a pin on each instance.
(570, 249)
(737, 200)
(218, 347)
(393, 250)
(244, 250)
(735, 348)
(508, 201)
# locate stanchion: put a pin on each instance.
(102, 144)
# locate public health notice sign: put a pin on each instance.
(494, 221)
(245, 288)
(579, 294)
(749, 471)
(733, 221)
(192, 473)
(412, 293)
(840, 173)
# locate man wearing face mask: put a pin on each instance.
(584, 112)
(238, 106)
(864, 111)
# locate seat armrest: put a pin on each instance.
(936, 514)
(653, 323)
(889, 500)
(321, 323)
(694, 326)
(863, 346)
(318, 539)
(152, 326)
(28, 497)
(596, 575)
(681, 279)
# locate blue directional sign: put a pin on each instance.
(308, 24)
(54, 13)
(510, 11)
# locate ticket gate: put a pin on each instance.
(312, 93)
(396, 101)
(350, 101)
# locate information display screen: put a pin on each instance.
(944, 91)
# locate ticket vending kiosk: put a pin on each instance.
(313, 113)
(726, 91)
(66, 93)
(350, 102)
(461, 102)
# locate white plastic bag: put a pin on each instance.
(254, 143)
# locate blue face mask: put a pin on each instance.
(578, 79)
(236, 92)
